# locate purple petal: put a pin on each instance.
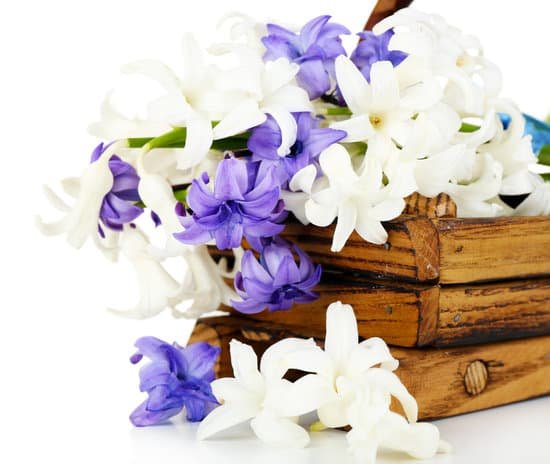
(320, 139)
(248, 306)
(231, 179)
(142, 417)
(313, 78)
(252, 269)
(310, 32)
(279, 47)
(287, 273)
(194, 235)
(201, 358)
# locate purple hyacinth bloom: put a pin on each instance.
(176, 378)
(276, 281)
(118, 206)
(241, 204)
(311, 140)
(314, 48)
(373, 48)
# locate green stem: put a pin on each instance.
(466, 127)
(338, 111)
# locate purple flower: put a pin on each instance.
(310, 142)
(176, 378)
(276, 281)
(242, 203)
(314, 48)
(118, 206)
(373, 48)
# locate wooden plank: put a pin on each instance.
(490, 312)
(411, 252)
(428, 315)
(391, 310)
(474, 250)
(445, 382)
(444, 250)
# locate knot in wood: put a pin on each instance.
(475, 378)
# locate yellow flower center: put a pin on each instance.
(375, 120)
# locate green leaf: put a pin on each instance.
(466, 127)
(544, 155)
(181, 195)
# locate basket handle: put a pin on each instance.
(383, 9)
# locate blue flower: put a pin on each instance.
(242, 204)
(373, 48)
(176, 378)
(276, 281)
(314, 48)
(311, 140)
(118, 206)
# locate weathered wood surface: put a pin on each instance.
(445, 382)
(435, 207)
(421, 315)
(444, 250)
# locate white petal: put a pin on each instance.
(371, 230)
(420, 441)
(295, 202)
(358, 128)
(229, 390)
(370, 353)
(157, 194)
(389, 382)
(242, 118)
(225, 417)
(336, 164)
(307, 394)
(198, 141)
(353, 85)
(320, 215)
(287, 125)
(277, 74)
(341, 334)
(245, 366)
(290, 97)
(422, 95)
(384, 87)
(155, 70)
(278, 431)
(303, 179)
(347, 218)
(274, 362)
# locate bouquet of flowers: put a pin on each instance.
(279, 124)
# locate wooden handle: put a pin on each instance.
(383, 9)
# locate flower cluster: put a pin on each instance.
(275, 124)
(348, 384)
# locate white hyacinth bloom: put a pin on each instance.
(381, 108)
(263, 397)
(359, 201)
(81, 219)
(538, 201)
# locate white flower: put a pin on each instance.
(158, 289)
(263, 88)
(513, 150)
(472, 79)
(479, 198)
(359, 378)
(381, 108)
(81, 220)
(359, 201)
(271, 403)
(538, 201)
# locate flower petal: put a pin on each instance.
(341, 334)
(245, 365)
(279, 431)
(225, 417)
(355, 89)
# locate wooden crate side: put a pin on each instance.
(482, 313)
(411, 252)
(474, 250)
(445, 382)
(390, 310)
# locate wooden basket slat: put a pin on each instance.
(428, 315)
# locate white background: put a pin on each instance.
(66, 386)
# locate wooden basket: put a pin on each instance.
(464, 288)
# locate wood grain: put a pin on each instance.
(428, 315)
(411, 252)
(444, 250)
(445, 382)
(435, 207)
(473, 250)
